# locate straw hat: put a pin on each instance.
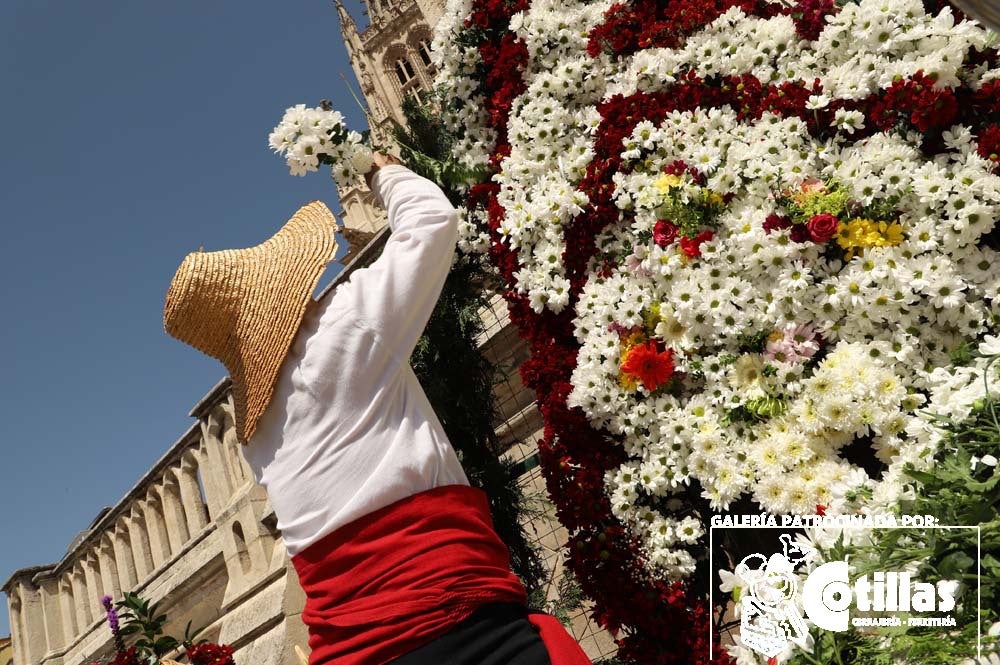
(244, 306)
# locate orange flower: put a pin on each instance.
(650, 366)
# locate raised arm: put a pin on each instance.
(396, 294)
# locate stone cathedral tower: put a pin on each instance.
(391, 59)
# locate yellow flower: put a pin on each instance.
(628, 381)
(666, 182)
(634, 339)
(892, 233)
(652, 317)
(858, 234)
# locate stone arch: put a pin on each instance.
(241, 547)
(394, 62)
(419, 40)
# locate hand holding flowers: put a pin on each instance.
(308, 137)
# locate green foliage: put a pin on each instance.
(425, 147)
(139, 617)
(569, 598)
(456, 377)
(830, 199)
(753, 341)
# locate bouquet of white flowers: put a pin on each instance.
(308, 137)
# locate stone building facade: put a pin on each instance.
(391, 61)
(196, 533)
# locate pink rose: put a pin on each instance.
(664, 232)
(810, 185)
(823, 227)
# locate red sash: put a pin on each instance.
(396, 579)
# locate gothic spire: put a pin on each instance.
(347, 25)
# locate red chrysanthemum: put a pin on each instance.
(211, 654)
(775, 222)
(989, 144)
(692, 246)
(128, 657)
(649, 365)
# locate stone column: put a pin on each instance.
(191, 498)
(80, 599)
(16, 635)
(94, 588)
(68, 609)
(109, 569)
(218, 486)
(239, 471)
(173, 512)
(124, 560)
(55, 634)
(159, 541)
(142, 551)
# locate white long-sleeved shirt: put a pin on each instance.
(349, 430)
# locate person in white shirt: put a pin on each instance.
(395, 551)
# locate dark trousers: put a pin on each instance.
(495, 634)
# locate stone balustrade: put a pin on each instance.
(195, 517)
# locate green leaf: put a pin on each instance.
(954, 564)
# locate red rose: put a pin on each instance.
(692, 246)
(664, 232)
(823, 227)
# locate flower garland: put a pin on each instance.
(739, 238)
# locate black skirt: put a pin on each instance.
(495, 634)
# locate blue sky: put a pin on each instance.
(134, 132)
